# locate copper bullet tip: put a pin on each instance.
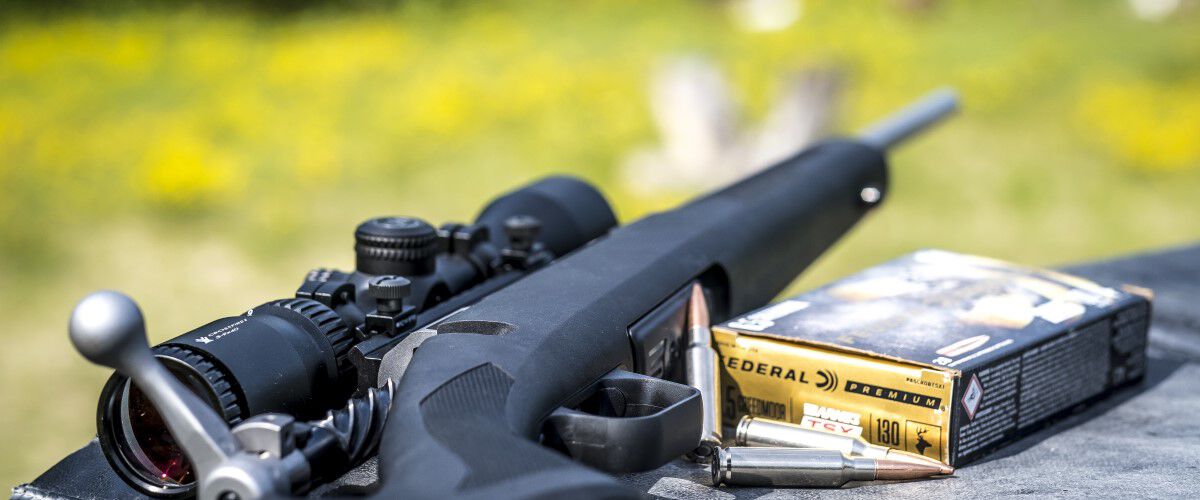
(887, 469)
(698, 308)
(904, 456)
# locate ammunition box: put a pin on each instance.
(945, 355)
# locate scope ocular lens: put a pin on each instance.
(281, 357)
(153, 445)
(145, 450)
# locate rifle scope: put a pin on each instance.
(293, 355)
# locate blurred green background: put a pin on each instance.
(203, 158)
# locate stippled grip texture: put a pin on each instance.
(461, 415)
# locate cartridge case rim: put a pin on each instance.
(743, 427)
(719, 466)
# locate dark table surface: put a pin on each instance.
(1143, 442)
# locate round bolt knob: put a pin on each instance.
(107, 328)
(389, 292)
(522, 230)
(870, 195)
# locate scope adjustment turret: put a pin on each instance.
(395, 245)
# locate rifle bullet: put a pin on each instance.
(753, 431)
(703, 375)
(809, 468)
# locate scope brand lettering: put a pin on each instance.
(222, 332)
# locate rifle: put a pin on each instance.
(540, 387)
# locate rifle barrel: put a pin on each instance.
(927, 111)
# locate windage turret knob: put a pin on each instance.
(389, 292)
(395, 245)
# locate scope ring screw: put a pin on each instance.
(522, 231)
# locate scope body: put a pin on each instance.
(298, 356)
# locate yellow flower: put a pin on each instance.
(1150, 126)
(182, 170)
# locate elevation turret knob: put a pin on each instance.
(395, 245)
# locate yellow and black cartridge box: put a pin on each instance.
(937, 353)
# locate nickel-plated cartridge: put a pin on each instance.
(702, 374)
(754, 431)
(809, 468)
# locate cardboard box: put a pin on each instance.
(942, 354)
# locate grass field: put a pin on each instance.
(202, 161)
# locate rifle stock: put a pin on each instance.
(468, 411)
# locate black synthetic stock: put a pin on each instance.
(466, 415)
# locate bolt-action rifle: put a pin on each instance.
(526, 355)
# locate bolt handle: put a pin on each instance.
(107, 328)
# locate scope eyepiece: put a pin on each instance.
(285, 356)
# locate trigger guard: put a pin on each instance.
(626, 422)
